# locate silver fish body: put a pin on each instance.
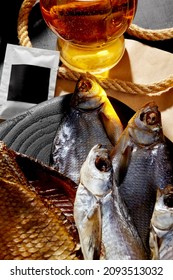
(161, 234)
(119, 236)
(141, 164)
(91, 119)
(105, 230)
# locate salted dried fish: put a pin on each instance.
(161, 235)
(105, 229)
(33, 224)
(91, 119)
(141, 164)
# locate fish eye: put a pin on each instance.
(84, 85)
(168, 200)
(103, 164)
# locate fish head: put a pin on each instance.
(88, 93)
(96, 171)
(145, 127)
(162, 218)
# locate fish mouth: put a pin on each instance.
(103, 163)
(165, 195)
(145, 128)
(168, 200)
(149, 117)
(84, 85)
(88, 94)
(168, 197)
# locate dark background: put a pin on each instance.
(153, 14)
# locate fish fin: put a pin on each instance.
(111, 122)
(91, 237)
(124, 163)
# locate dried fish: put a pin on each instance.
(32, 225)
(105, 229)
(161, 235)
(141, 164)
(91, 119)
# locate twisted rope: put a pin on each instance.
(107, 83)
(149, 34)
(122, 86)
(22, 24)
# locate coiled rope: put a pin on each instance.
(107, 83)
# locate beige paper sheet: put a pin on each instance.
(143, 65)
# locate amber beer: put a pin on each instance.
(89, 32)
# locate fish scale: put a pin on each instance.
(140, 191)
(22, 230)
(142, 164)
(85, 130)
(32, 223)
(140, 199)
(90, 120)
(119, 235)
(105, 229)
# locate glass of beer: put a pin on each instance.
(90, 32)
